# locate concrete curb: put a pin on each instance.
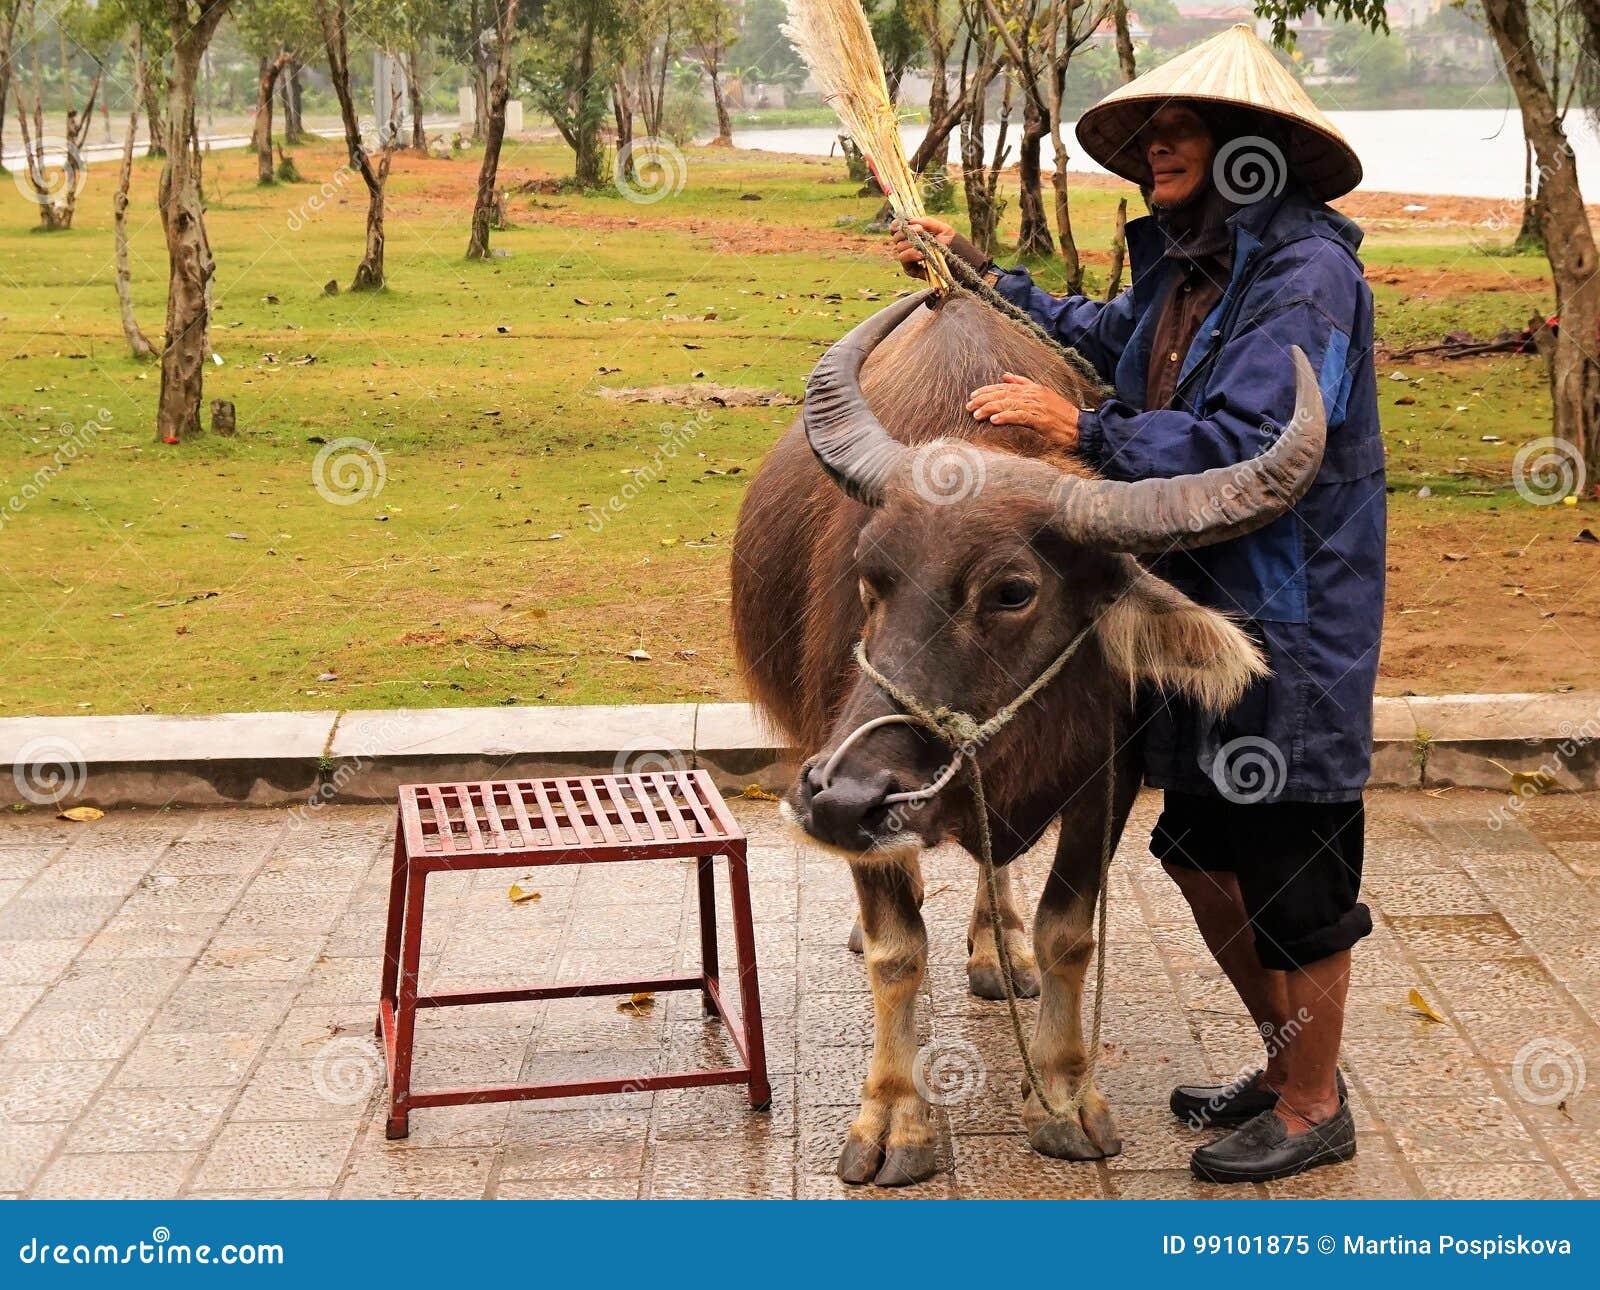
(278, 758)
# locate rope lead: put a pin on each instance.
(964, 733)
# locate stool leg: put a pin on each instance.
(744, 937)
(705, 867)
(405, 1021)
(391, 936)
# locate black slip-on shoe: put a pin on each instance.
(1264, 1149)
(1201, 1106)
(1206, 1106)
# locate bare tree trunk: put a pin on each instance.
(419, 136)
(980, 218)
(1070, 261)
(724, 121)
(369, 273)
(9, 9)
(33, 162)
(622, 116)
(294, 122)
(587, 152)
(78, 125)
(152, 93)
(480, 77)
(1124, 41)
(142, 349)
(57, 202)
(190, 266)
(499, 92)
(1530, 237)
(261, 133)
(1569, 240)
(1119, 251)
(1034, 239)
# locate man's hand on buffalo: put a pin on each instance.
(1017, 401)
(933, 230)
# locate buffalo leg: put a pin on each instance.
(1064, 937)
(891, 1140)
(983, 955)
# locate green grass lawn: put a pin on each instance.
(507, 556)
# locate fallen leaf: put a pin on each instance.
(1416, 1000)
(638, 656)
(639, 1005)
(522, 897)
(1533, 781)
(81, 814)
(755, 793)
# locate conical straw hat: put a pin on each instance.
(1238, 69)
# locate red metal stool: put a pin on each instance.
(515, 824)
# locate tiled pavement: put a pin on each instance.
(186, 1005)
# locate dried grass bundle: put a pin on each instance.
(836, 43)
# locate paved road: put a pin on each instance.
(186, 1004)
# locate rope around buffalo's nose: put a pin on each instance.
(964, 733)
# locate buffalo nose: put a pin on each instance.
(847, 812)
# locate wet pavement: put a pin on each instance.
(186, 1006)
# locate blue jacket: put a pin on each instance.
(1309, 586)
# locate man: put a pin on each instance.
(1262, 820)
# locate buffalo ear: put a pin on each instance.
(1154, 634)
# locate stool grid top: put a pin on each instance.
(592, 814)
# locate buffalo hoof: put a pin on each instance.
(860, 1162)
(854, 943)
(1090, 1135)
(986, 981)
(1062, 1140)
(907, 1165)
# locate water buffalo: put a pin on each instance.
(966, 557)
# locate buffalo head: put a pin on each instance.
(978, 567)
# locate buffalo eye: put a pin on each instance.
(1012, 594)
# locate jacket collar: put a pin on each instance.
(1263, 225)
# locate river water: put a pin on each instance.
(1466, 152)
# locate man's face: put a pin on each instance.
(1178, 148)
